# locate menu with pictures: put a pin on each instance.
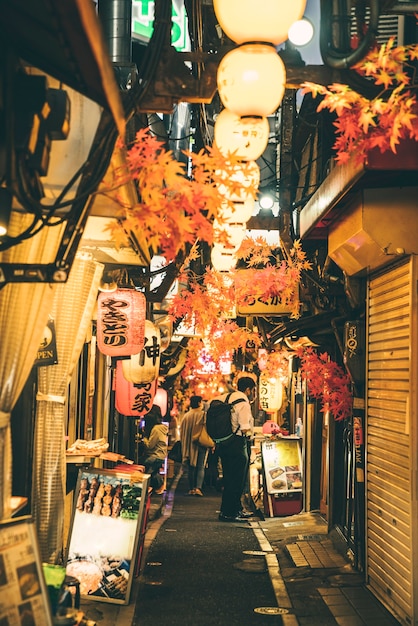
(23, 594)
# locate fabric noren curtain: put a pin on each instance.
(72, 312)
(24, 310)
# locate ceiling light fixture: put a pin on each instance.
(301, 32)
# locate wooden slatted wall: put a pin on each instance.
(389, 534)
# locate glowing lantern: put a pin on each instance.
(251, 80)
(161, 400)
(121, 322)
(144, 367)
(244, 179)
(223, 259)
(133, 399)
(268, 20)
(239, 211)
(235, 232)
(270, 393)
(246, 137)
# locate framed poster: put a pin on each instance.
(109, 507)
(282, 464)
(24, 597)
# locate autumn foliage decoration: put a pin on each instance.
(177, 203)
(327, 382)
(382, 122)
(208, 303)
(272, 275)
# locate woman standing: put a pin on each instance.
(194, 456)
(155, 446)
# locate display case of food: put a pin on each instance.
(109, 507)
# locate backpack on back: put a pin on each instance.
(218, 420)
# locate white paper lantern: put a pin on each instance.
(251, 80)
(265, 20)
(236, 232)
(223, 260)
(270, 393)
(245, 137)
(144, 367)
(245, 177)
(240, 211)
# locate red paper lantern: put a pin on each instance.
(121, 322)
(161, 400)
(133, 399)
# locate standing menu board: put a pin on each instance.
(109, 508)
(282, 464)
(24, 597)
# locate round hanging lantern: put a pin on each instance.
(244, 177)
(223, 260)
(270, 393)
(239, 211)
(236, 232)
(251, 80)
(121, 322)
(144, 367)
(133, 399)
(161, 400)
(246, 137)
(267, 20)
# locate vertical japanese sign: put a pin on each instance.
(143, 23)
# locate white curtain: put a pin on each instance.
(72, 311)
(24, 309)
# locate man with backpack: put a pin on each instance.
(233, 448)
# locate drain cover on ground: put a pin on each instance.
(271, 610)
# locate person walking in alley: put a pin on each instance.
(234, 453)
(194, 456)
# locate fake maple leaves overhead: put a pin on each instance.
(327, 382)
(174, 210)
(208, 303)
(383, 121)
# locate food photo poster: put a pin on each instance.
(282, 464)
(109, 508)
(24, 598)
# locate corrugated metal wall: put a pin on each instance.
(389, 450)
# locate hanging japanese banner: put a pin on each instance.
(145, 366)
(133, 399)
(121, 322)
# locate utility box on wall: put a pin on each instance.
(380, 225)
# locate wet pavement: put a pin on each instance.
(281, 570)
